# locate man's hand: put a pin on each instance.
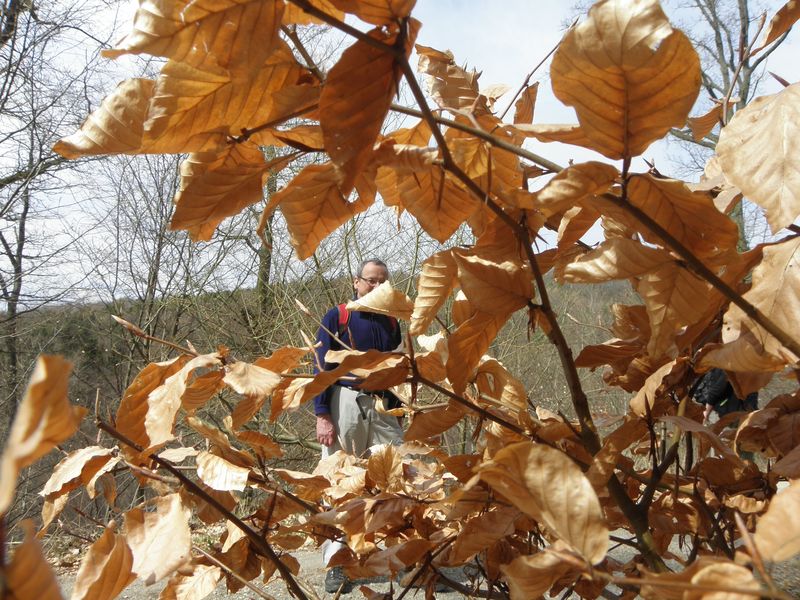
(326, 432)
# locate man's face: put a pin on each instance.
(371, 277)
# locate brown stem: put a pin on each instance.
(142, 334)
(259, 543)
(298, 44)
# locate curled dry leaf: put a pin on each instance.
(497, 285)
(297, 16)
(629, 75)
(572, 185)
(219, 474)
(250, 379)
(192, 586)
(355, 99)
(467, 344)
(161, 540)
(216, 185)
(780, 23)
(384, 300)
(195, 383)
(76, 469)
(450, 86)
(616, 258)
(313, 207)
(44, 419)
(532, 575)
(777, 534)
(524, 107)
(431, 423)
(238, 35)
(759, 152)
(723, 574)
(480, 532)
(263, 445)
(106, 568)
(547, 485)
(29, 575)
(435, 283)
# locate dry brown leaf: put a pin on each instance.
(523, 108)
(133, 406)
(76, 469)
(355, 99)
(233, 35)
(776, 293)
(606, 460)
(777, 534)
(759, 152)
(435, 283)
(493, 380)
(220, 443)
(106, 568)
(263, 445)
(219, 474)
(385, 469)
(653, 388)
(723, 574)
(611, 352)
(216, 185)
(670, 295)
(690, 217)
(177, 455)
(532, 575)
(50, 510)
(29, 575)
(450, 86)
(377, 12)
(432, 423)
(296, 15)
(572, 185)
(384, 300)
(780, 23)
(282, 360)
(314, 207)
(701, 126)
(436, 201)
(468, 343)
(789, 465)
(566, 134)
(404, 157)
(189, 106)
(164, 401)
(494, 284)
(386, 177)
(547, 485)
(44, 418)
(193, 586)
(616, 258)
(250, 379)
(480, 532)
(161, 540)
(394, 559)
(629, 75)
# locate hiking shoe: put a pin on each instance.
(335, 580)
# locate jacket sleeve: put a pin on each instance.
(322, 402)
(714, 387)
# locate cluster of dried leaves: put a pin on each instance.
(534, 508)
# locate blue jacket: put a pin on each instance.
(369, 331)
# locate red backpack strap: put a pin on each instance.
(393, 321)
(344, 318)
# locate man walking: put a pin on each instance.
(346, 417)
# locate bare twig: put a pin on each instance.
(144, 335)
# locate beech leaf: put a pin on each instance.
(777, 534)
(219, 474)
(29, 575)
(629, 75)
(106, 568)
(384, 300)
(547, 485)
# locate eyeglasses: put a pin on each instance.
(370, 280)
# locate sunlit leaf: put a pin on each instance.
(218, 474)
(437, 202)
(216, 185)
(377, 12)
(629, 75)
(355, 99)
(759, 152)
(523, 108)
(433, 288)
(236, 35)
(250, 379)
(431, 423)
(193, 586)
(106, 568)
(482, 531)
(532, 575)
(296, 15)
(44, 418)
(468, 343)
(160, 540)
(29, 575)
(572, 185)
(616, 258)
(263, 445)
(494, 284)
(777, 534)
(547, 485)
(780, 23)
(314, 207)
(384, 300)
(690, 217)
(76, 469)
(450, 86)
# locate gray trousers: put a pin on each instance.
(358, 427)
(358, 424)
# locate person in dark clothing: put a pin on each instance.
(347, 419)
(717, 394)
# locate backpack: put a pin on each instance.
(344, 320)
